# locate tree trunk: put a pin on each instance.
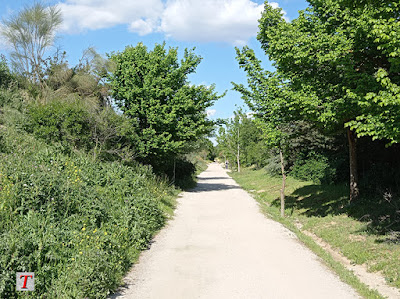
(238, 151)
(354, 191)
(174, 174)
(283, 184)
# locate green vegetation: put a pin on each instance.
(82, 187)
(77, 222)
(315, 167)
(340, 71)
(327, 118)
(324, 211)
(240, 141)
(336, 69)
(149, 84)
(31, 32)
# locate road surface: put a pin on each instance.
(219, 245)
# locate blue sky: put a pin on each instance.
(214, 27)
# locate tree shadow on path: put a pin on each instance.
(207, 184)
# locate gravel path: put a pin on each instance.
(219, 245)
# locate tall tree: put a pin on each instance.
(224, 149)
(270, 98)
(152, 88)
(336, 55)
(230, 137)
(31, 32)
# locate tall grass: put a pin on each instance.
(76, 222)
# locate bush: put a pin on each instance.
(7, 97)
(315, 168)
(112, 136)
(5, 75)
(76, 222)
(273, 166)
(75, 125)
(179, 171)
(67, 122)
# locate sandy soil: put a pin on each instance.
(219, 245)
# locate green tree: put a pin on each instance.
(31, 32)
(253, 149)
(223, 147)
(204, 147)
(152, 88)
(338, 58)
(269, 96)
(230, 137)
(235, 137)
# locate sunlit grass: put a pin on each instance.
(325, 211)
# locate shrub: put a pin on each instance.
(76, 222)
(75, 125)
(5, 75)
(112, 136)
(273, 166)
(9, 97)
(315, 168)
(67, 122)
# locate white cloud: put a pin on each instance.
(4, 45)
(211, 112)
(231, 21)
(140, 16)
(142, 26)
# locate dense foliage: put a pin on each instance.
(240, 142)
(168, 113)
(336, 71)
(76, 204)
(76, 222)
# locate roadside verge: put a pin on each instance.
(316, 230)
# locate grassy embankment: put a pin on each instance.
(358, 231)
(77, 222)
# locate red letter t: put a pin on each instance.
(25, 280)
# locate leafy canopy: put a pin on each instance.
(344, 58)
(152, 88)
(268, 95)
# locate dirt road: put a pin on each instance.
(219, 245)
